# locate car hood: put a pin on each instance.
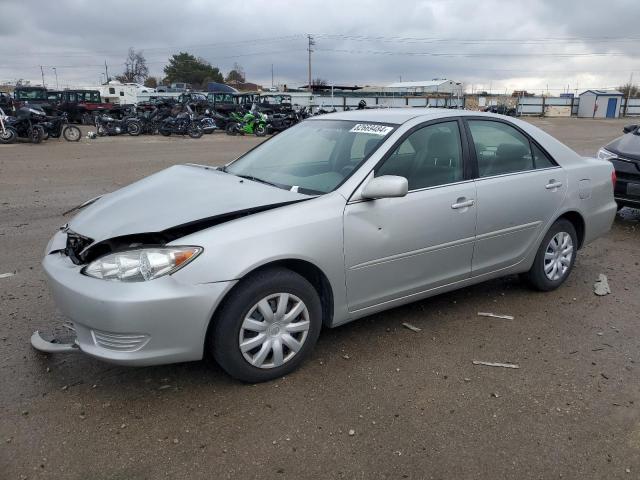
(627, 145)
(180, 195)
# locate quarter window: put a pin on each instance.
(502, 149)
(429, 157)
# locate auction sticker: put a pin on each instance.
(372, 128)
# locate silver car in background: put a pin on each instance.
(339, 217)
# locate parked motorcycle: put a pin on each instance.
(26, 124)
(252, 123)
(54, 127)
(7, 133)
(181, 124)
(107, 125)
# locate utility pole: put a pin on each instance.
(56, 72)
(272, 74)
(42, 72)
(311, 44)
(106, 72)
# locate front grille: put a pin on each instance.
(119, 342)
(76, 243)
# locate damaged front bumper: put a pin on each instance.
(47, 346)
(144, 323)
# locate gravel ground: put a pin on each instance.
(376, 400)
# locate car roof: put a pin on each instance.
(400, 115)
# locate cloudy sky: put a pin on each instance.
(502, 45)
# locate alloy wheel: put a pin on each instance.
(274, 330)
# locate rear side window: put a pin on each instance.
(540, 159)
(500, 148)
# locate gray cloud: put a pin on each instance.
(502, 44)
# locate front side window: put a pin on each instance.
(313, 157)
(429, 157)
(502, 149)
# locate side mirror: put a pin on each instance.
(386, 186)
(630, 128)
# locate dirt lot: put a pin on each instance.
(418, 406)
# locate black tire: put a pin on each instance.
(223, 341)
(71, 133)
(232, 129)
(134, 128)
(536, 276)
(619, 206)
(36, 135)
(260, 131)
(194, 131)
(165, 132)
(8, 136)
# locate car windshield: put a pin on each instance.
(313, 157)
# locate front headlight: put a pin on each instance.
(141, 264)
(605, 154)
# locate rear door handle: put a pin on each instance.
(553, 184)
(462, 203)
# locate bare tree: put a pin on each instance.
(629, 90)
(136, 69)
(236, 75)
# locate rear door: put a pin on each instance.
(519, 190)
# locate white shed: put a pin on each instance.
(600, 104)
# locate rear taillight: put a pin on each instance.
(614, 178)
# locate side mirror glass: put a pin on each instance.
(386, 186)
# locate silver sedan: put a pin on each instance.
(339, 217)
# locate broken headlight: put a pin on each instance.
(141, 264)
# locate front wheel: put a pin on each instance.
(71, 133)
(261, 130)
(7, 136)
(555, 258)
(267, 326)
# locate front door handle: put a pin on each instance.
(553, 184)
(462, 203)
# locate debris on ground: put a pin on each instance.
(601, 287)
(413, 328)
(492, 364)
(7, 275)
(495, 315)
(352, 432)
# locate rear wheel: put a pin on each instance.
(71, 133)
(165, 132)
(134, 128)
(267, 326)
(232, 128)
(555, 258)
(36, 135)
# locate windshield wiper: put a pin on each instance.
(260, 180)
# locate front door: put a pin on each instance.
(611, 107)
(519, 190)
(398, 247)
